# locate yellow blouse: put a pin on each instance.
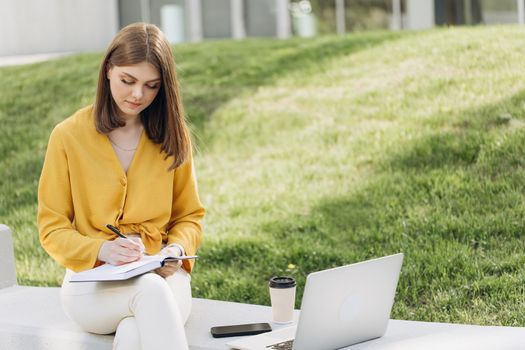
(83, 187)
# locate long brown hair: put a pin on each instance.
(163, 119)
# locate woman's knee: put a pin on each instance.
(151, 282)
(153, 288)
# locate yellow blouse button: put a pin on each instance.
(123, 181)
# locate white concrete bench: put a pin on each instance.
(7, 258)
(32, 318)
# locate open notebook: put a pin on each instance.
(109, 272)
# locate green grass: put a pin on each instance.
(317, 153)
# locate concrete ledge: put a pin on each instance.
(7, 258)
(32, 318)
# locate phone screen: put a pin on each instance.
(240, 329)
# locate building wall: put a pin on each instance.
(129, 11)
(261, 17)
(216, 19)
(173, 24)
(420, 14)
(38, 26)
(46, 26)
(499, 11)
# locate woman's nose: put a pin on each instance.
(137, 92)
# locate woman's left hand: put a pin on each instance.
(169, 268)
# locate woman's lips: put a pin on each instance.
(133, 105)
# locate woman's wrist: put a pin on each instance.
(103, 252)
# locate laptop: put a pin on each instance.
(340, 307)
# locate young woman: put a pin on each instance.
(126, 161)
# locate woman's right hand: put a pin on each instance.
(120, 251)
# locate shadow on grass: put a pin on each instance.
(230, 69)
(467, 136)
(448, 200)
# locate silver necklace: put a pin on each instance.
(121, 148)
(125, 149)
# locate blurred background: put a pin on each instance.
(46, 26)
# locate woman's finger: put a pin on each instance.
(138, 240)
(124, 253)
(119, 258)
(171, 251)
(168, 269)
(128, 243)
(174, 264)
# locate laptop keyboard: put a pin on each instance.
(285, 345)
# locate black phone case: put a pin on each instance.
(224, 331)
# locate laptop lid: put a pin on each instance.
(347, 305)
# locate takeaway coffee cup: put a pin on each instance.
(282, 296)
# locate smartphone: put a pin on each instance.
(240, 329)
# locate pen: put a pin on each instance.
(116, 231)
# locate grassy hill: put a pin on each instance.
(317, 153)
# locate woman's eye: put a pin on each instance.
(127, 82)
(153, 86)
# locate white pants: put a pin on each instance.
(147, 312)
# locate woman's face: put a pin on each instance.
(134, 87)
